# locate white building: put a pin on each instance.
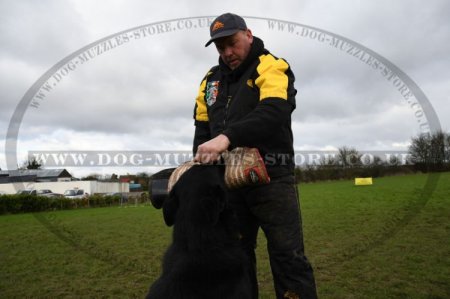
(57, 180)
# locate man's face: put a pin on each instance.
(234, 49)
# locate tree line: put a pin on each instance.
(428, 152)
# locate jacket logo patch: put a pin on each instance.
(212, 89)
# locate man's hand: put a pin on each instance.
(211, 150)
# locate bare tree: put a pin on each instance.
(328, 162)
(447, 148)
(393, 161)
(92, 177)
(32, 163)
(438, 149)
(420, 149)
(430, 151)
(348, 157)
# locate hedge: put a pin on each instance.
(25, 203)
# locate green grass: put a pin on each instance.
(389, 240)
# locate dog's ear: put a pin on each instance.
(170, 207)
(213, 205)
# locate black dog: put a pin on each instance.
(205, 259)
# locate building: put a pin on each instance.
(34, 175)
(137, 183)
(56, 180)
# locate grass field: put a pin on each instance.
(389, 240)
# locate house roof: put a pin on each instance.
(16, 179)
(38, 173)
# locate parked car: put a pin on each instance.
(74, 193)
(27, 191)
(40, 192)
(48, 193)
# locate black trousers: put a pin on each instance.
(275, 208)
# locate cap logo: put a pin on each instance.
(217, 25)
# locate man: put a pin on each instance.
(247, 101)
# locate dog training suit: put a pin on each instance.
(252, 106)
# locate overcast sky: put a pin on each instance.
(139, 95)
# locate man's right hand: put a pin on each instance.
(210, 151)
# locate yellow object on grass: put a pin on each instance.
(363, 181)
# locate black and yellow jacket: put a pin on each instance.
(252, 106)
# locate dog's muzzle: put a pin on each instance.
(162, 182)
(158, 187)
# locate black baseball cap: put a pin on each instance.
(225, 25)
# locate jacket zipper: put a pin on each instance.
(226, 112)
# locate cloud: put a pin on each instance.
(140, 95)
(32, 32)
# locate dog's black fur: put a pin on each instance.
(205, 259)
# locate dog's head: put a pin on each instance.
(198, 196)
